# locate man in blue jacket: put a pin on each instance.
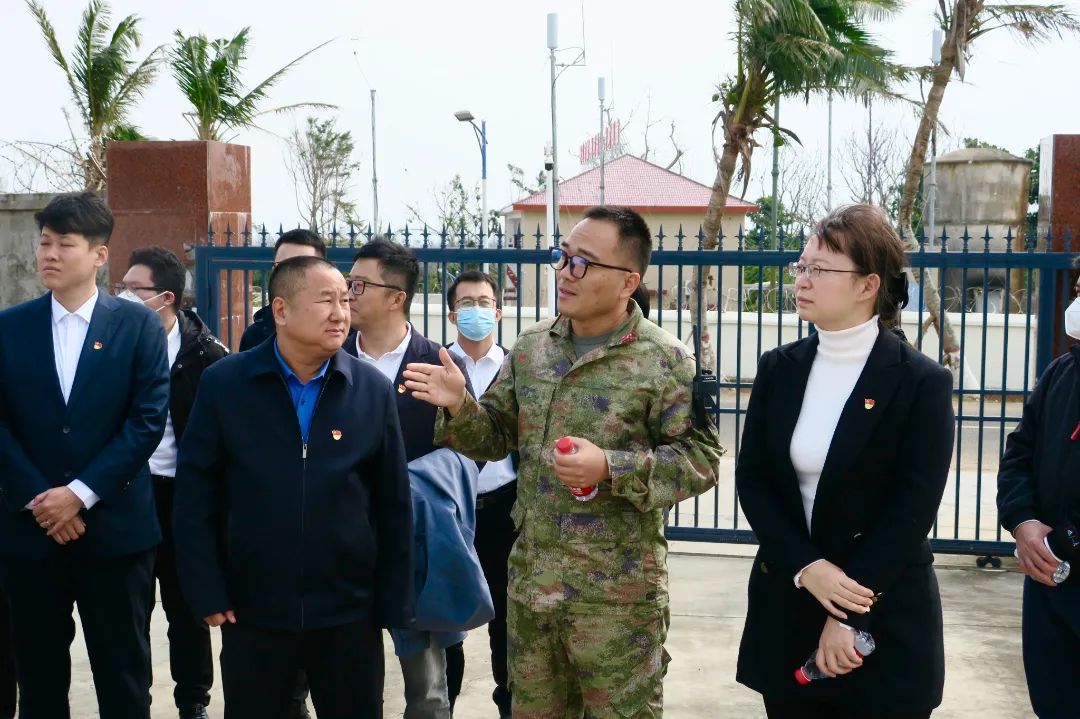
(82, 406)
(292, 513)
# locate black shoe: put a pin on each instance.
(194, 712)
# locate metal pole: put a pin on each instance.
(775, 170)
(374, 174)
(601, 93)
(828, 180)
(551, 283)
(553, 30)
(483, 184)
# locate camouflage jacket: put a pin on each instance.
(631, 398)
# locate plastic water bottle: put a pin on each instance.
(864, 646)
(564, 445)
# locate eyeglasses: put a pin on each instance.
(357, 287)
(813, 272)
(120, 287)
(468, 303)
(560, 258)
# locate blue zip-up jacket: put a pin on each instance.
(451, 593)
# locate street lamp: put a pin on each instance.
(481, 138)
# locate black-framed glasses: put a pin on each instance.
(120, 287)
(579, 265)
(357, 287)
(468, 303)
(813, 272)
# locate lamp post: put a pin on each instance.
(553, 44)
(481, 139)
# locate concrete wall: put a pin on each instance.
(740, 345)
(18, 240)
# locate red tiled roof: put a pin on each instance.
(639, 184)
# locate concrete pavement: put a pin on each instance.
(984, 680)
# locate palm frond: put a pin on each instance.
(1033, 23)
(49, 33)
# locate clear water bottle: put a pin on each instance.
(565, 445)
(864, 645)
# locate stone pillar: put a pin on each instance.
(169, 194)
(1059, 214)
(19, 234)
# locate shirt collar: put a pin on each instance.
(399, 350)
(86, 311)
(289, 374)
(495, 354)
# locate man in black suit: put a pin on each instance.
(293, 521)
(82, 406)
(382, 283)
(8, 687)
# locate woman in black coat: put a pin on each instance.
(845, 454)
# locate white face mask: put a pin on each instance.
(1072, 319)
(132, 297)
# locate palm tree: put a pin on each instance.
(104, 79)
(208, 73)
(791, 48)
(964, 22)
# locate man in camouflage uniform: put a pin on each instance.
(588, 609)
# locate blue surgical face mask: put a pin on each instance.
(476, 323)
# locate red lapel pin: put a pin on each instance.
(336, 434)
(868, 403)
(98, 345)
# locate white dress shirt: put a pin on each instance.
(163, 460)
(69, 335)
(390, 363)
(482, 372)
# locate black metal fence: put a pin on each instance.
(1002, 296)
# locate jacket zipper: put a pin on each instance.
(303, 480)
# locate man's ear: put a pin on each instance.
(633, 279)
(102, 252)
(277, 308)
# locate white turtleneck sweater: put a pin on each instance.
(841, 356)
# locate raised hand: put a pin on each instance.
(441, 385)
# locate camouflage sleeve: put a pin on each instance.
(485, 429)
(685, 461)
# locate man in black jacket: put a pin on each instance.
(294, 243)
(155, 278)
(293, 515)
(1039, 503)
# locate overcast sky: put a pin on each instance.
(428, 59)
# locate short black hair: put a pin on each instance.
(82, 213)
(397, 263)
(634, 234)
(166, 270)
(472, 276)
(287, 276)
(302, 237)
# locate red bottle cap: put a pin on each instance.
(565, 445)
(801, 678)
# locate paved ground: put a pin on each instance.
(982, 644)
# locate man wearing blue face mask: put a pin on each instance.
(476, 311)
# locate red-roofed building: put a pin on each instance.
(666, 200)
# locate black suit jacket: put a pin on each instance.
(103, 436)
(417, 417)
(876, 501)
(294, 536)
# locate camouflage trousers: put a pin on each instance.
(567, 665)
